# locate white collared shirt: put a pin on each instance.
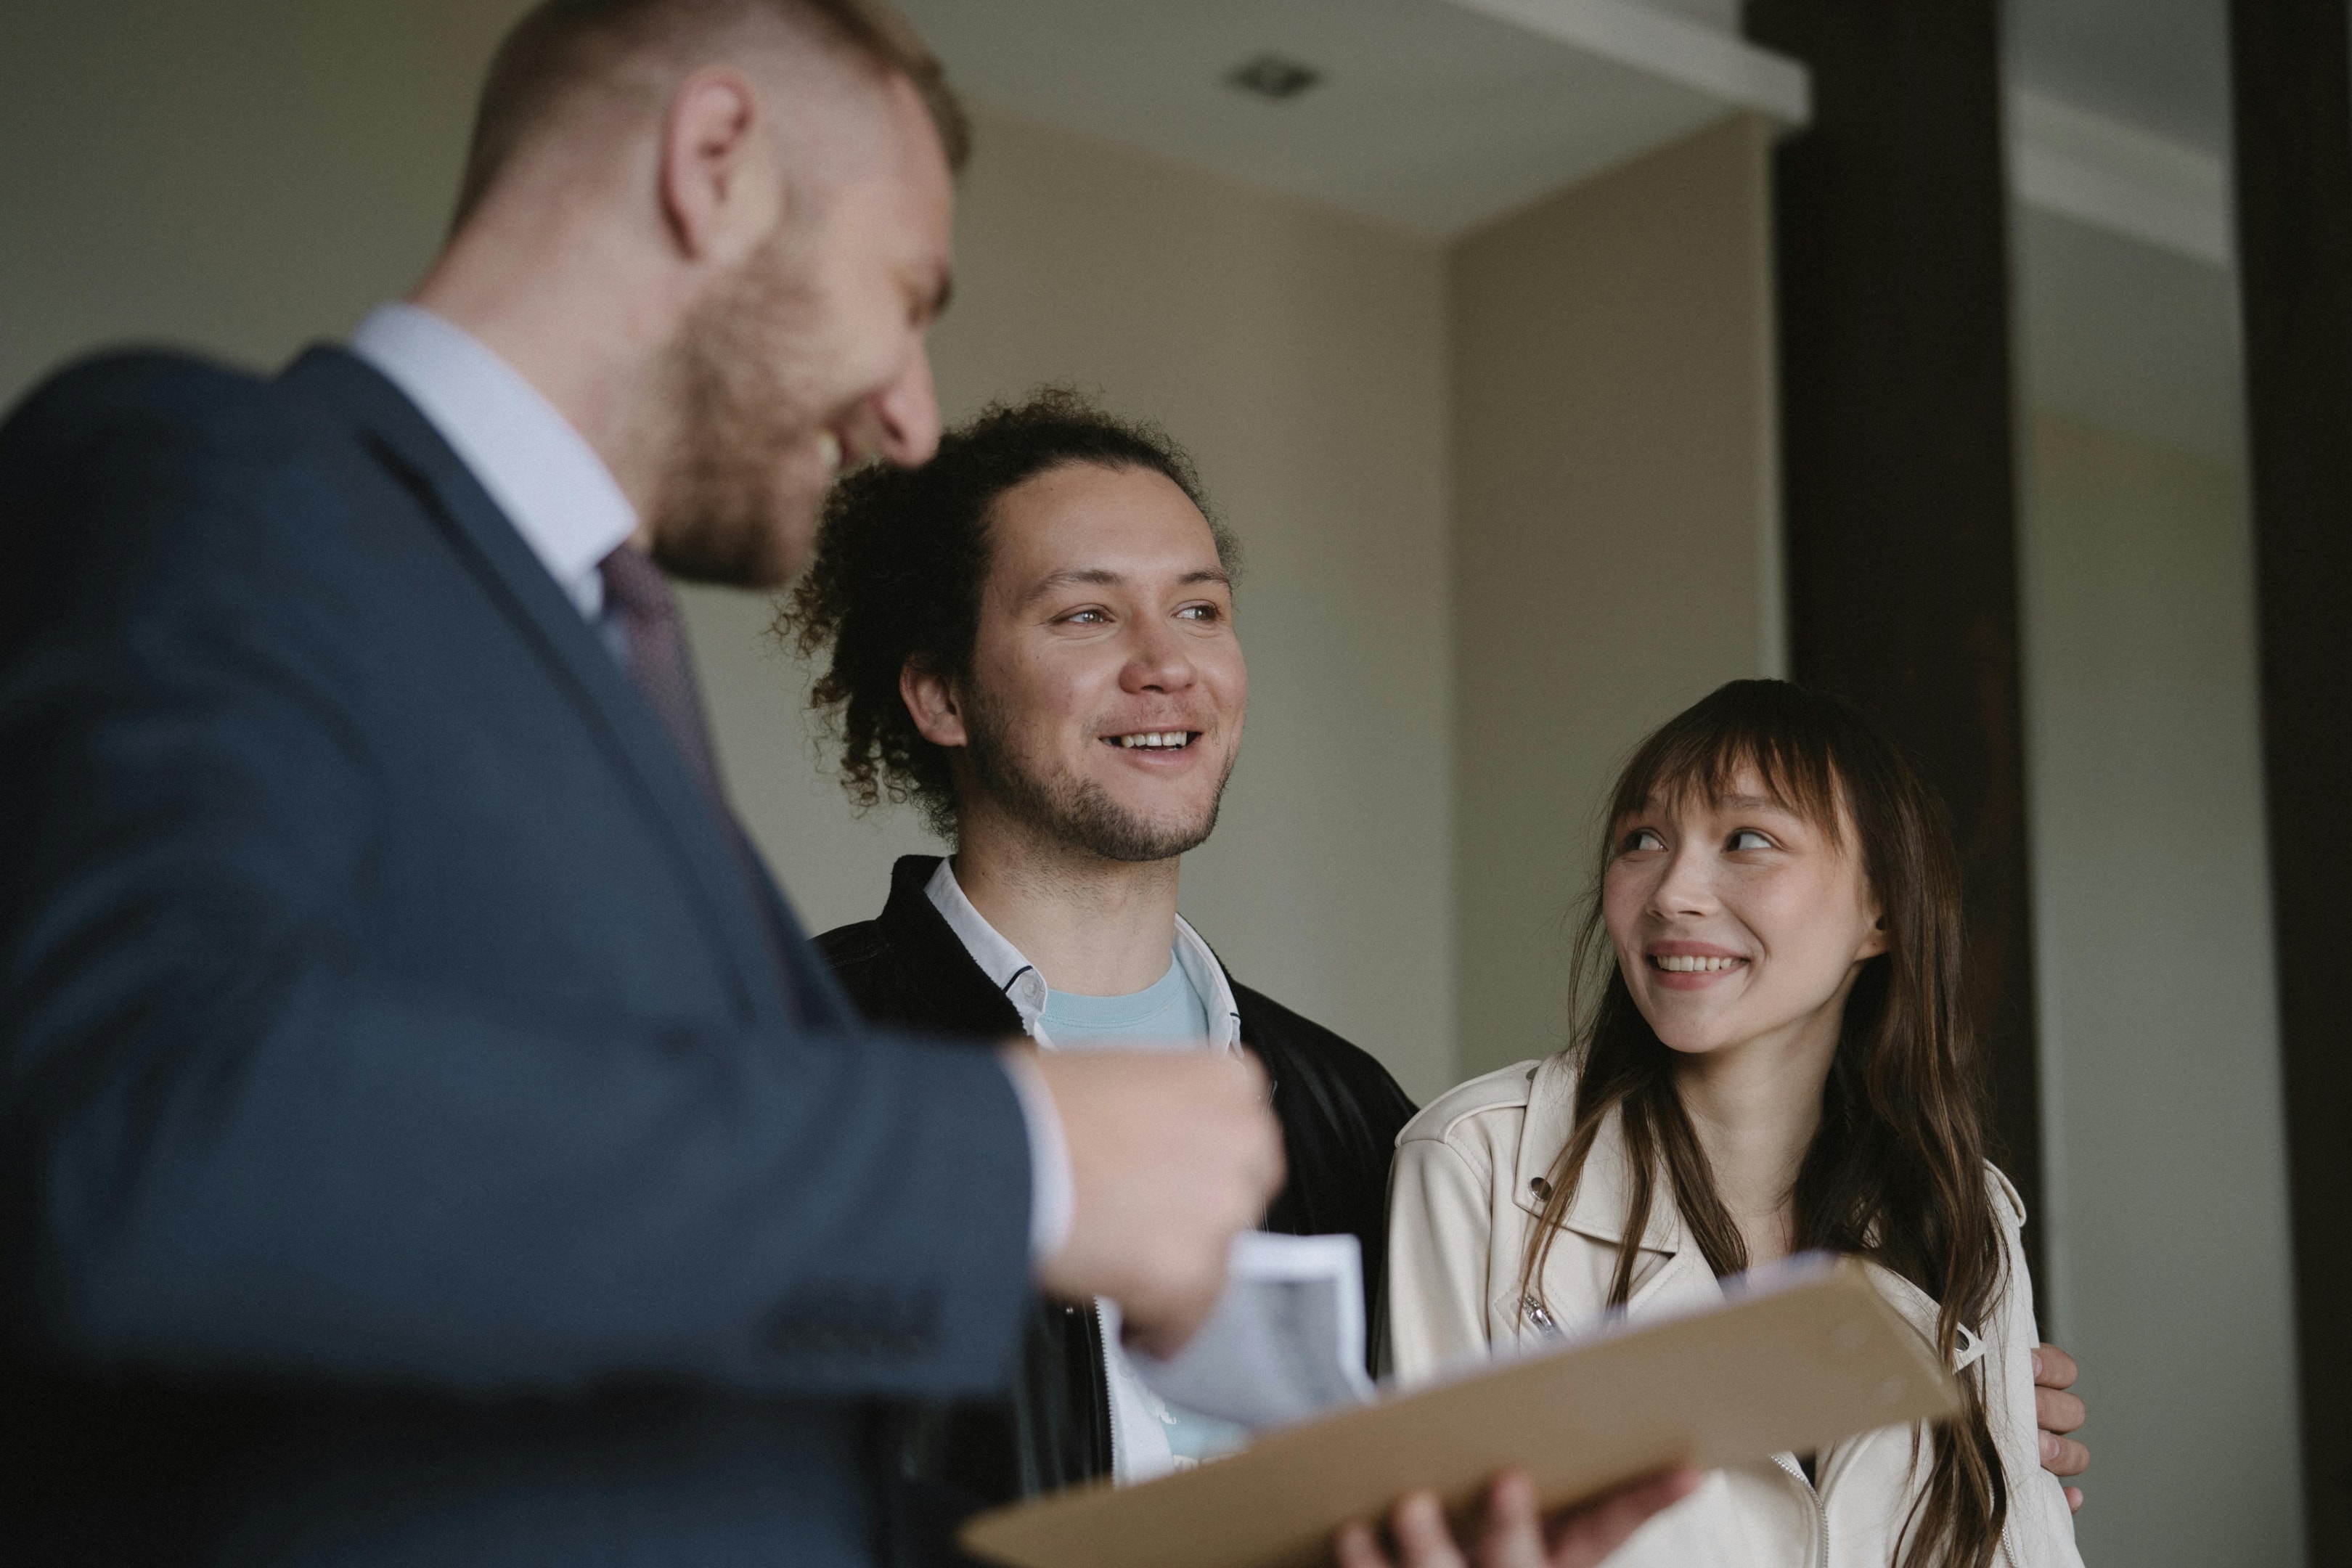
(568, 507)
(1025, 988)
(545, 476)
(1140, 1418)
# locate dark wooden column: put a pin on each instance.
(2293, 88)
(1891, 218)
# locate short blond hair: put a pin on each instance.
(560, 45)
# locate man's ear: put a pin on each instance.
(720, 176)
(934, 704)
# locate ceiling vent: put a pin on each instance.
(1275, 78)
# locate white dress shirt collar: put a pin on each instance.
(1025, 988)
(542, 473)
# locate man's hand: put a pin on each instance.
(1511, 1535)
(2057, 1413)
(1170, 1157)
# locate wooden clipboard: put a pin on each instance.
(1792, 1369)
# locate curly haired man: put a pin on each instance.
(1032, 639)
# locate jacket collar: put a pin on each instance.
(1599, 1208)
(397, 435)
(950, 991)
(1018, 982)
(1604, 1191)
(545, 477)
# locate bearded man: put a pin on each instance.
(1032, 637)
(430, 1139)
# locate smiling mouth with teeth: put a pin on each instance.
(1154, 740)
(1691, 964)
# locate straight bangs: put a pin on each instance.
(1766, 727)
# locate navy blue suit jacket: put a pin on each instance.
(413, 1154)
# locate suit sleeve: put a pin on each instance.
(1440, 1229)
(242, 1141)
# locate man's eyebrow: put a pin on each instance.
(1103, 577)
(1077, 576)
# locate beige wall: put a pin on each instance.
(240, 177)
(1616, 531)
(2165, 1213)
(1301, 358)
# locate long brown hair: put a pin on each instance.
(1896, 1172)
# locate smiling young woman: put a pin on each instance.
(1773, 1055)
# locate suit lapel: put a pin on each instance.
(401, 439)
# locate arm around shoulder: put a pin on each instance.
(2040, 1528)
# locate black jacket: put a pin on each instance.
(1340, 1111)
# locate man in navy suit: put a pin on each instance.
(427, 1136)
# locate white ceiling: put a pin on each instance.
(2115, 175)
(1438, 116)
(1433, 116)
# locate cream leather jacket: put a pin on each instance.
(1464, 1201)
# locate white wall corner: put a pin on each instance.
(2116, 176)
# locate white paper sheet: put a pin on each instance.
(1285, 1342)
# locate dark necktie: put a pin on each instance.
(639, 598)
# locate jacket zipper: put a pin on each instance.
(1821, 1514)
(1110, 1396)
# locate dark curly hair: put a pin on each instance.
(901, 556)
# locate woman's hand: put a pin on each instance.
(2057, 1413)
(1512, 1535)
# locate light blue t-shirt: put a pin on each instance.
(1168, 1013)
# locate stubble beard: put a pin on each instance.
(1071, 812)
(728, 510)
